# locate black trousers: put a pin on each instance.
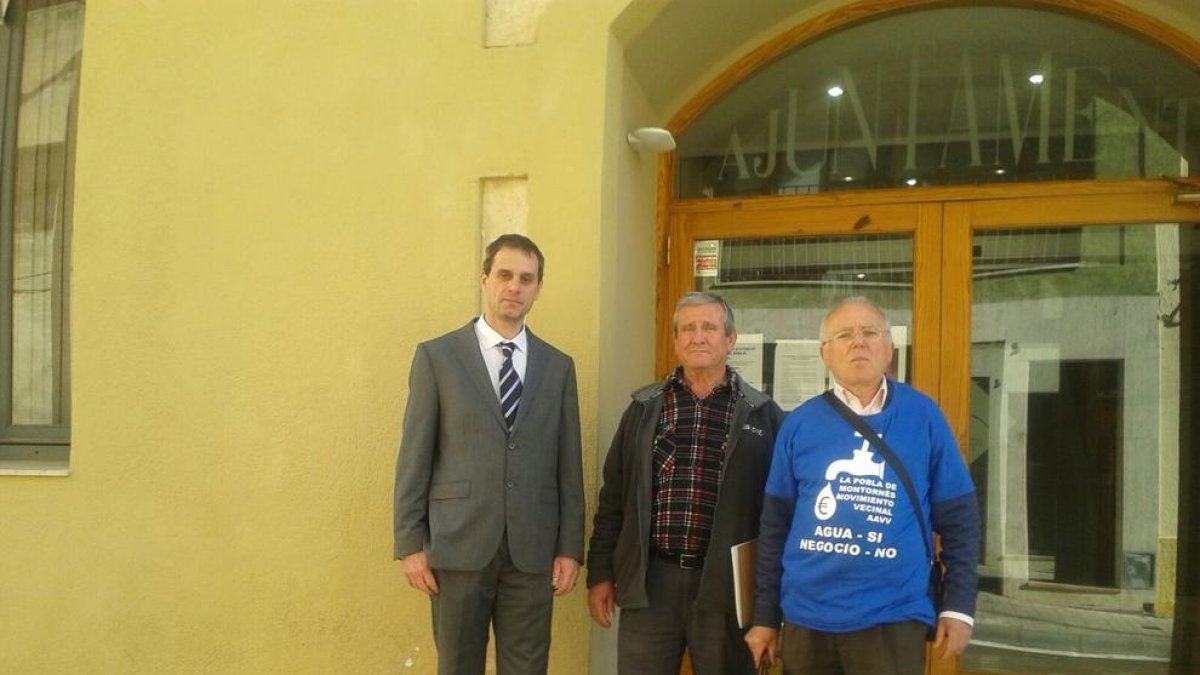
(651, 641)
(886, 649)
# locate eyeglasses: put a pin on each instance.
(846, 337)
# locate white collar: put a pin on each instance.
(489, 338)
(874, 406)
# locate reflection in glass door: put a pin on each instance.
(780, 289)
(1076, 381)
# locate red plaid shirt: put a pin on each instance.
(689, 454)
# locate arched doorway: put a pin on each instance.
(1013, 184)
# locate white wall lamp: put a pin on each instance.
(651, 139)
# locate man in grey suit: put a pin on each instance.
(489, 480)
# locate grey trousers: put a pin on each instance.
(651, 641)
(886, 649)
(517, 606)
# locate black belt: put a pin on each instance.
(687, 561)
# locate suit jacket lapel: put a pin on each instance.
(535, 367)
(475, 369)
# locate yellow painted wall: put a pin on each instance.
(627, 269)
(275, 201)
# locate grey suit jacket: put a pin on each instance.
(463, 480)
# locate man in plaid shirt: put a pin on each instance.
(683, 482)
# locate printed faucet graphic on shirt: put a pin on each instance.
(858, 481)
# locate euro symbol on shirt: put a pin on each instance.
(826, 504)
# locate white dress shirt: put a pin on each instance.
(493, 355)
(872, 407)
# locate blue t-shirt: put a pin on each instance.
(854, 555)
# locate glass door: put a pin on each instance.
(781, 270)
(1055, 327)
(782, 287)
(1079, 374)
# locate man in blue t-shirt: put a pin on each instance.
(842, 559)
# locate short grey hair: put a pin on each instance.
(858, 300)
(701, 298)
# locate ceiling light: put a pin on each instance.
(848, 178)
(836, 91)
(860, 275)
(910, 182)
(1037, 78)
(1000, 171)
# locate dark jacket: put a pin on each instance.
(620, 541)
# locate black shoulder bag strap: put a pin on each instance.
(935, 568)
(874, 439)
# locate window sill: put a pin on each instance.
(23, 467)
(1055, 587)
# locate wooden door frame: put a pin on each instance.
(981, 206)
(1109, 12)
(943, 222)
(1067, 204)
(1087, 205)
(773, 219)
(958, 210)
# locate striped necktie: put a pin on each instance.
(510, 385)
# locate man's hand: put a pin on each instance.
(762, 642)
(955, 634)
(602, 601)
(420, 576)
(566, 571)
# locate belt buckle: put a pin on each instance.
(691, 561)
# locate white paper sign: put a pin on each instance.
(799, 372)
(747, 358)
(900, 342)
